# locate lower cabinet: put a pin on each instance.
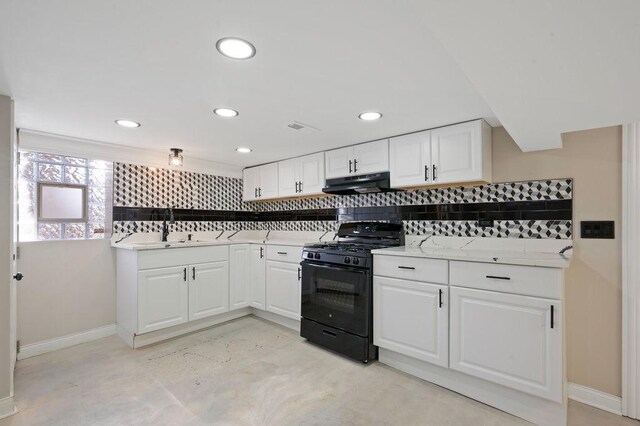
(208, 289)
(239, 276)
(411, 318)
(509, 339)
(283, 289)
(163, 298)
(257, 276)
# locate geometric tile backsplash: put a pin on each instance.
(141, 187)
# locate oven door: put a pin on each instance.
(338, 296)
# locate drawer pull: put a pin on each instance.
(551, 316)
(329, 333)
(495, 277)
(406, 267)
(282, 252)
(440, 298)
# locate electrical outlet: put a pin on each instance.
(600, 229)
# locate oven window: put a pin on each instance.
(335, 294)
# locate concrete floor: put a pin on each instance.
(245, 372)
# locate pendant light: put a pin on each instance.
(175, 158)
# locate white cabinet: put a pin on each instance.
(301, 176)
(163, 298)
(452, 154)
(208, 289)
(509, 339)
(257, 274)
(283, 293)
(411, 318)
(239, 276)
(260, 183)
(370, 157)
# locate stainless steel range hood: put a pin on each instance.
(363, 184)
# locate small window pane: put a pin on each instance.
(61, 202)
(49, 173)
(27, 170)
(27, 231)
(75, 175)
(96, 230)
(49, 231)
(97, 195)
(97, 177)
(49, 158)
(27, 201)
(104, 165)
(74, 231)
(96, 212)
(27, 156)
(75, 161)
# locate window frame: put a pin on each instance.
(40, 219)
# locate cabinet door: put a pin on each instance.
(371, 157)
(456, 152)
(239, 276)
(208, 289)
(410, 160)
(312, 173)
(258, 276)
(288, 177)
(411, 318)
(283, 289)
(508, 339)
(337, 162)
(250, 181)
(268, 187)
(163, 298)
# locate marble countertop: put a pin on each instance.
(488, 250)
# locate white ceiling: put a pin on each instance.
(540, 68)
(545, 67)
(74, 67)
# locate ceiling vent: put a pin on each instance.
(302, 127)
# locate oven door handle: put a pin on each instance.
(361, 271)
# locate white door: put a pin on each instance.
(338, 162)
(239, 276)
(512, 340)
(208, 289)
(288, 177)
(163, 298)
(371, 157)
(258, 277)
(250, 181)
(410, 160)
(312, 173)
(283, 289)
(268, 187)
(456, 152)
(411, 318)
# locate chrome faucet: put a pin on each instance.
(165, 228)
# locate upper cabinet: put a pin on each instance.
(301, 176)
(371, 157)
(260, 183)
(453, 154)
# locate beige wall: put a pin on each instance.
(594, 280)
(6, 212)
(69, 287)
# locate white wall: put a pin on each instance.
(69, 287)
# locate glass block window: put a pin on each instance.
(97, 176)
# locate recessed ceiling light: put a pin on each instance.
(235, 48)
(225, 112)
(127, 123)
(243, 150)
(370, 116)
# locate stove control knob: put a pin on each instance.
(355, 261)
(317, 255)
(347, 259)
(310, 255)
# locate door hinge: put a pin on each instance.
(17, 346)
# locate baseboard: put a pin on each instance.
(278, 319)
(34, 349)
(7, 407)
(595, 398)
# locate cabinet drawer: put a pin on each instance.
(161, 258)
(290, 254)
(412, 268)
(525, 280)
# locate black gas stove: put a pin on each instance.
(337, 288)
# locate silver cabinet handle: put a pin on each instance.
(496, 277)
(406, 267)
(434, 177)
(350, 165)
(193, 273)
(426, 173)
(282, 252)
